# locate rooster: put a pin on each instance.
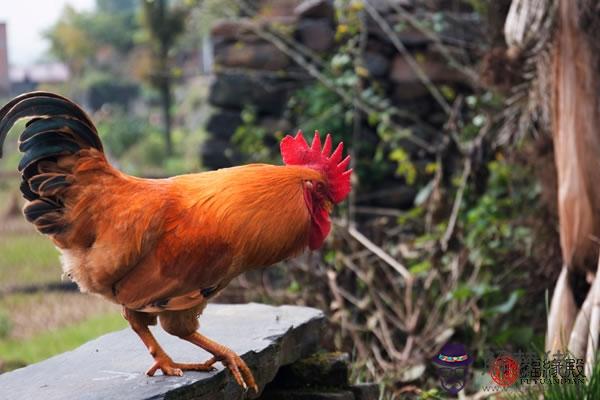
(161, 248)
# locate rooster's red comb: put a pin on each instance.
(295, 151)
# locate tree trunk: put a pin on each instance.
(576, 130)
(165, 93)
(166, 109)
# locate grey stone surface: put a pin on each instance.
(365, 391)
(265, 93)
(263, 56)
(316, 34)
(437, 70)
(217, 153)
(113, 366)
(315, 9)
(376, 64)
(242, 29)
(223, 123)
(309, 394)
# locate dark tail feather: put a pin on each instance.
(46, 215)
(59, 128)
(44, 104)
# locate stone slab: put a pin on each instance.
(113, 366)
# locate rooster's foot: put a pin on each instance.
(238, 368)
(171, 368)
(240, 371)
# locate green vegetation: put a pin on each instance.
(47, 344)
(27, 258)
(120, 131)
(574, 392)
(476, 237)
(558, 391)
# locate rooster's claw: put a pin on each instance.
(170, 368)
(240, 371)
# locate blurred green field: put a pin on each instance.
(47, 344)
(35, 326)
(27, 258)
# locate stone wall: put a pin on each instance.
(251, 71)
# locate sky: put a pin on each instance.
(26, 21)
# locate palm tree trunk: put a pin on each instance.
(576, 129)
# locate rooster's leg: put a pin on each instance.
(228, 357)
(139, 323)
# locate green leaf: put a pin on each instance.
(420, 267)
(520, 336)
(294, 287)
(461, 293)
(329, 256)
(507, 306)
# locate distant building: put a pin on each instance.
(25, 79)
(4, 75)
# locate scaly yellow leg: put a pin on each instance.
(228, 357)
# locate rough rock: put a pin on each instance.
(461, 28)
(227, 30)
(408, 91)
(216, 153)
(321, 369)
(401, 197)
(385, 6)
(412, 37)
(276, 8)
(365, 391)
(238, 90)
(255, 56)
(436, 70)
(275, 125)
(308, 394)
(315, 9)
(316, 34)
(454, 28)
(377, 65)
(223, 123)
(112, 366)
(409, 36)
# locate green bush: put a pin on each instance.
(146, 157)
(120, 131)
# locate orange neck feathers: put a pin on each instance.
(259, 209)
